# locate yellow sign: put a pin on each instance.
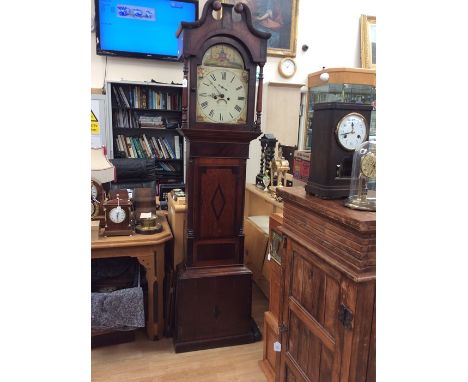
(94, 124)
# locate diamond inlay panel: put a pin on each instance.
(218, 202)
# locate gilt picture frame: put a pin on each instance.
(368, 41)
(278, 17)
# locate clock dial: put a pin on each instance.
(117, 215)
(287, 67)
(368, 165)
(93, 191)
(351, 131)
(222, 95)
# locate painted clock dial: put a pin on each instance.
(351, 131)
(222, 86)
(117, 215)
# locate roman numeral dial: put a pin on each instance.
(222, 95)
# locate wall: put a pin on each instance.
(330, 29)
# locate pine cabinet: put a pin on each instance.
(328, 310)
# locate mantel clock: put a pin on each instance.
(221, 114)
(338, 128)
(98, 196)
(118, 216)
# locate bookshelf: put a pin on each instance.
(144, 119)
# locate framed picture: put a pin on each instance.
(368, 42)
(278, 17)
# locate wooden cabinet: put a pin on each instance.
(259, 205)
(176, 214)
(328, 310)
(271, 331)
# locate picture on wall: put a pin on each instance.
(368, 42)
(278, 17)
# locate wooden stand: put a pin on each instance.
(149, 251)
(328, 313)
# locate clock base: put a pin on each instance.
(340, 191)
(368, 204)
(120, 232)
(213, 308)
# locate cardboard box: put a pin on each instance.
(94, 230)
(301, 164)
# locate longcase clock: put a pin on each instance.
(221, 53)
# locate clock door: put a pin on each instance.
(218, 205)
(312, 340)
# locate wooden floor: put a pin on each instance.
(148, 361)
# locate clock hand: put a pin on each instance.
(212, 95)
(212, 84)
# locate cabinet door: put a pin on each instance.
(312, 335)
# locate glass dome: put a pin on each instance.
(363, 190)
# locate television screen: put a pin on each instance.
(141, 28)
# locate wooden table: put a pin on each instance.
(149, 251)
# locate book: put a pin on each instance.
(177, 146)
(136, 148)
(156, 148)
(144, 148)
(123, 146)
(123, 97)
(151, 154)
(130, 147)
(163, 148)
(169, 148)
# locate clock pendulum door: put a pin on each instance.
(213, 287)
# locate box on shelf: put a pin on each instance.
(94, 230)
(301, 164)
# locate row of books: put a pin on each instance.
(125, 118)
(145, 98)
(148, 147)
(128, 119)
(165, 167)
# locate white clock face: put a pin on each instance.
(351, 131)
(222, 95)
(93, 191)
(288, 67)
(117, 215)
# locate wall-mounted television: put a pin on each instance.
(141, 28)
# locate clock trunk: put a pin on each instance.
(213, 293)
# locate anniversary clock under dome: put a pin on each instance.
(219, 119)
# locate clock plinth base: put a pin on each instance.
(361, 204)
(213, 308)
(148, 230)
(328, 192)
(121, 232)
